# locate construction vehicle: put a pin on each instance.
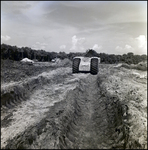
(85, 65)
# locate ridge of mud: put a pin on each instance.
(96, 121)
(86, 118)
(30, 112)
(15, 92)
(132, 94)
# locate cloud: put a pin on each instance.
(96, 47)
(62, 46)
(39, 45)
(127, 48)
(142, 42)
(58, 23)
(77, 43)
(118, 48)
(74, 42)
(5, 38)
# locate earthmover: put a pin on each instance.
(85, 65)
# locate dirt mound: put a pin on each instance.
(15, 92)
(140, 66)
(132, 92)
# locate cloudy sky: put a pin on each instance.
(113, 27)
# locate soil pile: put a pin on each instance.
(140, 66)
(130, 86)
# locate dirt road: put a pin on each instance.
(61, 110)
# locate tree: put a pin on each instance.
(144, 57)
(62, 55)
(25, 54)
(130, 55)
(124, 57)
(91, 53)
(15, 53)
(104, 57)
(118, 58)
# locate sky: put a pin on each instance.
(112, 27)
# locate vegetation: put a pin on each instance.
(15, 53)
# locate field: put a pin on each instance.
(44, 105)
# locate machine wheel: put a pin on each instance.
(75, 65)
(94, 66)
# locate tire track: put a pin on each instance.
(15, 92)
(16, 118)
(83, 127)
(72, 113)
(96, 122)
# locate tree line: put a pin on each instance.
(17, 54)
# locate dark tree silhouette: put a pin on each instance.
(15, 53)
(91, 53)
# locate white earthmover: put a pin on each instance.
(85, 65)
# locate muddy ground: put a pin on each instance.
(45, 106)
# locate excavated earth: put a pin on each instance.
(45, 106)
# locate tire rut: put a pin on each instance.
(96, 121)
(84, 132)
(17, 118)
(81, 118)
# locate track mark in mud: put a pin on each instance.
(31, 111)
(82, 119)
(15, 92)
(91, 120)
(6, 120)
(75, 113)
(83, 130)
